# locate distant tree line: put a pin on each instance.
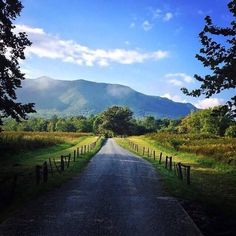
(114, 121)
(118, 120)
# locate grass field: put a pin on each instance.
(221, 149)
(213, 179)
(24, 150)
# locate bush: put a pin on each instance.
(231, 131)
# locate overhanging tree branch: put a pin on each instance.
(219, 57)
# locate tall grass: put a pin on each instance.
(220, 148)
(15, 142)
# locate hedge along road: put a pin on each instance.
(117, 194)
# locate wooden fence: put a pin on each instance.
(41, 173)
(181, 170)
(59, 165)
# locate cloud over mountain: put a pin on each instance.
(53, 47)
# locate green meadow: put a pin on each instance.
(22, 151)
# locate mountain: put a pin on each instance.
(81, 97)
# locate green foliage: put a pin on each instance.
(219, 148)
(12, 48)
(119, 121)
(72, 124)
(212, 181)
(115, 120)
(231, 131)
(13, 142)
(219, 57)
(27, 149)
(211, 121)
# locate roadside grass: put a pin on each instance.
(213, 183)
(14, 142)
(23, 164)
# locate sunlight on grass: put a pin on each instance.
(23, 164)
(212, 181)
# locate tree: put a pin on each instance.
(116, 120)
(231, 131)
(219, 57)
(149, 123)
(12, 47)
(211, 121)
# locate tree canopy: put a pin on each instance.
(210, 121)
(116, 120)
(220, 57)
(12, 47)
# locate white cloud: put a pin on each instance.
(176, 82)
(147, 25)
(168, 16)
(179, 79)
(50, 46)
(132, 25)
(208, 102)
(160, 14)
(157, 13)
(24, 28)
(118, 91)
(26, 71)
(175, 98)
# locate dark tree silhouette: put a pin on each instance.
(12, 47)
(220, 58)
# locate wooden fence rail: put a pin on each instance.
(41, 171)
(181, 170)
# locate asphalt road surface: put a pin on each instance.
(117, 194)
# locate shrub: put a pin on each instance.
(231, 131)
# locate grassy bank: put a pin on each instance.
(23, 165)
(213, 180)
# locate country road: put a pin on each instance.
(117, 194)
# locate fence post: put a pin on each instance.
(143, 151)
(38, 174)
(45, 172)
(74, 155)
(62, 163)
(50, 163)
(188, 174)
(82, 150)
(148, 152)
(166, 162)
(160, 158)
(170, 164)
(154, 155)
(180, 171)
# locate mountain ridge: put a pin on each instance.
(82, 97)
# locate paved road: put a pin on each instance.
(117, 194)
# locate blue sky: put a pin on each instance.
(149, 45)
